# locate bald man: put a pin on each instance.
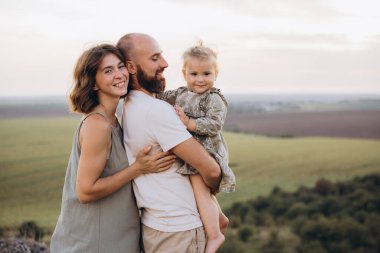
(171, 221)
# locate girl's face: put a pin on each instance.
(112, 77)
(199, 74)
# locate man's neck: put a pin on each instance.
(145, 91)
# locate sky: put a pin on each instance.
(263, 46)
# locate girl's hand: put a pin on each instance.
(189, 123)
(158, 162)
(181, 114)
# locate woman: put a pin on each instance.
(99, 212)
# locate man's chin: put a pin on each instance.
(156, 89)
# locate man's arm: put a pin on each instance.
(193, 153)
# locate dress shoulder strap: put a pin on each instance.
(90, 114)
(83, 119)
(93, 113)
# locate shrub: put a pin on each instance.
(245, 233)
(29, 229)
(231, 245)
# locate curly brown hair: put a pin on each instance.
(83, 98)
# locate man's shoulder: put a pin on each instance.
(160, 110)
(150, 102)
(160, 105)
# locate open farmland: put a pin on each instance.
(356, 116)
(343, 123)
(34, 153)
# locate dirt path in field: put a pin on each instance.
(357, 124)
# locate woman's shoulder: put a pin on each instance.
(95, 124)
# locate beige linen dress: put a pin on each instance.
(110, 224)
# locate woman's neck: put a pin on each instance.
(108, 109)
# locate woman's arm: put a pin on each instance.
(95, 140)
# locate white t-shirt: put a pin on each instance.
(166, 199)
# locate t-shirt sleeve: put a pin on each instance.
(167, 129)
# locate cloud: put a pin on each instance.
(273, 8)
(294, 40)
(263, 45)
(300, 70)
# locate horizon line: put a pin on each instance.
(225, 93)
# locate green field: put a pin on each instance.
(34, 153)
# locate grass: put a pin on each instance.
(33, 159)
(34, 154)
(260, 163)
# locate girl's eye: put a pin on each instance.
(193, 74)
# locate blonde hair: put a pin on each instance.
(201, 52)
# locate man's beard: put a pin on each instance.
(151, 84)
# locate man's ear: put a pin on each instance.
(131, 67)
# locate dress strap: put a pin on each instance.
(92, 113)
(84, 118)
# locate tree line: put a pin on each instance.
(340, 217)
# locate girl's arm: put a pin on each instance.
(95, 140)
(211, 123)
(170, 96)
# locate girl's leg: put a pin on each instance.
(209, 211)
(223, 220)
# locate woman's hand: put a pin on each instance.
(158, 162)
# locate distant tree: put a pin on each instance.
(296, 210)
(245, 233)
(231, 245)
(30, 229)
(312, 247)
(341, 217)
(324, 187)
(278, 240)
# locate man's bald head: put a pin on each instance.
(144, 62)
(128, 44)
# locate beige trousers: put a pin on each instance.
(190, 241)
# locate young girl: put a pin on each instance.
(202, 109)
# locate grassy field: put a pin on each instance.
(34, 154)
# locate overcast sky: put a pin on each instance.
(264, 46)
